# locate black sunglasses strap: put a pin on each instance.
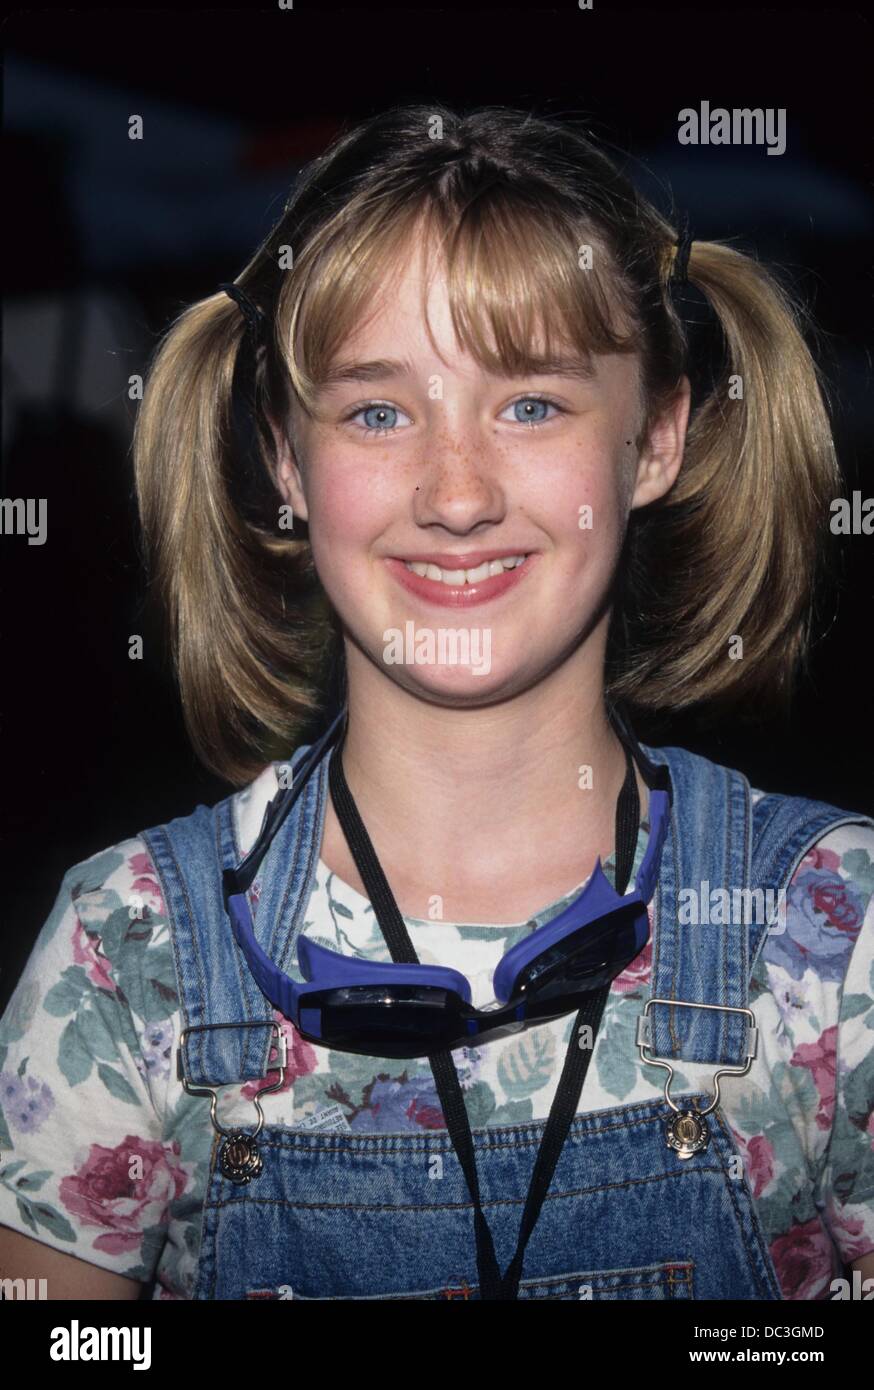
(577, 1059)
(564, 1106)
(402, 951)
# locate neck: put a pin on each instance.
(494, 792)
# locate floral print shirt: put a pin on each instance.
(105, 1157)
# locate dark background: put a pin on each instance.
(107, 239)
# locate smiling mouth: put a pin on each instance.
(458, 578)
(455, 588)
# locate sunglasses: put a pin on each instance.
(392, 1010)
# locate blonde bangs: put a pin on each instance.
(521, 294)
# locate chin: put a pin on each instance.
(461, 688)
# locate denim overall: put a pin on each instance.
(360, 1216)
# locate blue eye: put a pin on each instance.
(527, 418)
(383, 413)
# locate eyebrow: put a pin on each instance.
(387, 369)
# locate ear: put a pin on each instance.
(662, 451)
(287, 475)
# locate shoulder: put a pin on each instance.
(825, 855)
(93, 889)
(107, 931)
(103, 936)
(817, 965)
(819, 855)
(695, 778)
(242, 810)
(137, 872)
(829, 916)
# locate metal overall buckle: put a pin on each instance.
(687, 1131)
(239, 1158)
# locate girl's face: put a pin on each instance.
(418, 453)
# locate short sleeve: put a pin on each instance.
(84, 1048)
(846, 1188)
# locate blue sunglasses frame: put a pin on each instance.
(519, 977)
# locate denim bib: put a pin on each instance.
(360, 1216)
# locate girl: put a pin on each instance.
(431, 486)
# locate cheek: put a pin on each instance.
(346, 510)
(584, 497)
(339, 499)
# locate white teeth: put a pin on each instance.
(456, 577)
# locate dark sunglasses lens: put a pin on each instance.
(586, 960)
(388, 1020)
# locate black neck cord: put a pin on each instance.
(493, 1286)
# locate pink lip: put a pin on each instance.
(442, 595)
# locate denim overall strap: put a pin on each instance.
(214, 986)
(215, 983)
(717, 840)
(708, 844)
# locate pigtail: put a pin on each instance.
(220, 573)
(733, 549)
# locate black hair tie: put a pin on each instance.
(253, 315)
(680, 267)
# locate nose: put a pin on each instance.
(459, 481)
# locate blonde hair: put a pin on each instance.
(514, 201)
